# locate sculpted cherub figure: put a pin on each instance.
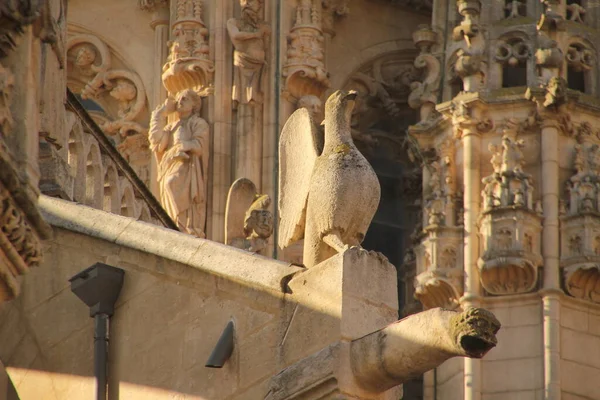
(181, 149)
(125, 93)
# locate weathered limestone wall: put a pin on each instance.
(124, 27)
(167, 320)
(369, 30)
(514, 369)
(580, 351)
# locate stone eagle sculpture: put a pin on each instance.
(328, 191)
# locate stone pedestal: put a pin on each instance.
(352, 294)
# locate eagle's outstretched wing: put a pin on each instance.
(300, 144)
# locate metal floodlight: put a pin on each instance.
(223, 349)
(98, 286)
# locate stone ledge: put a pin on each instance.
(208, 256)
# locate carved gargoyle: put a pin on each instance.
(248, 222)
(418, 343)
(328, 192)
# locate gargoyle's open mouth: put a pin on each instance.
(476, 346)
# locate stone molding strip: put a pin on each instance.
(107, 148)
(210, 257)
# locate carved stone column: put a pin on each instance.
(160, 25)
(468, 125)
(250, 36)
(550, 108)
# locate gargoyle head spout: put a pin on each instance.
(474, 330)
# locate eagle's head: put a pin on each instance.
(339, 106)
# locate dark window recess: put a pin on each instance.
(514, 76)
(576, 80)
(512, 7)
(456, 86)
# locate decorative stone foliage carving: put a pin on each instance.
(469, 63)
(188, 65)
(512, 52)
(333, 9)
(6, 89)
(18, 243)
(380, 114)
(13, 16)
(548, 58)
(580, 226)
(248, 221)
(439, 267)
(439, 256)
(20, 226)
(151, 5)
(510, 221)
(424, 91)
(551, 19)
(580, 57)
(118, 92)
(305, 68)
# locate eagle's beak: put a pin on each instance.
(352, 94)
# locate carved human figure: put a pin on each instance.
(181, 149)
(85, 57)
(125, 93)
(575, 245)
(513, 8)
(512, 156)
(258, 223)
(496, 159)
(504, 239)
(248, 221)
(528, 242)
(576, 12)
(249, 35)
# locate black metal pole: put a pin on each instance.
(101, 322)
(99, 286)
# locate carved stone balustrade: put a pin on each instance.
(510, 224)
(90, 170)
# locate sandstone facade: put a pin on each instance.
(477, 117)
